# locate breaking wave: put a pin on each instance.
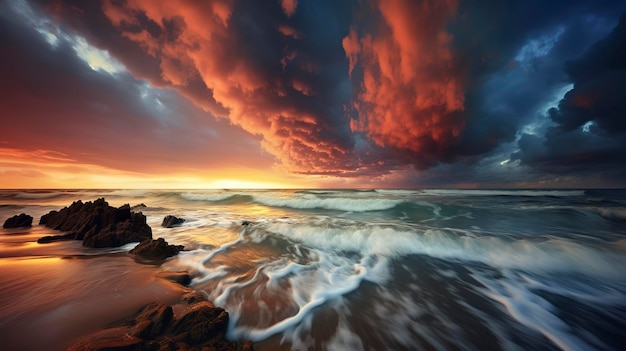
(334, 257)
(612, 212)
(548, 255)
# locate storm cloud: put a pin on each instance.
(410, 92)
(589, 131)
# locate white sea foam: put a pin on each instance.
(308, 201)
(549, 255)
(211, 197)
(128, 192)
(330, 273)
(531, 310)
(612, 212)
(311, 286)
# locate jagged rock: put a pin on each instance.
(97, 224)
(18, 221)
(139, 206)
(203, 321)
(152, 320)
(182, 278)
(53, 238)
(198, 325)
(172, 221)
(157, 249)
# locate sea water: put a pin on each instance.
(380, 269)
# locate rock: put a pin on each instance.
(246, 223)
(182, 278)
(151, 320)
(157, 249)
(97, 224)
(18, 221)
(172, 221)
(198, 325)
(202, 321)
(53, 238)
(139, 206)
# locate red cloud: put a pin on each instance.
(192, 39)
(289, 6)
(409, 101)
(411, 94)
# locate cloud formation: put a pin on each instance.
(454, 89)
(249, 59)
(589, 131)
(410, 95)
(61, 95)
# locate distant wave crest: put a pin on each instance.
(335, 203)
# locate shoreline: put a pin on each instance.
(58, 295)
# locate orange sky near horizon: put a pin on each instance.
(46, 169)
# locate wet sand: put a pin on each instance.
(52, 295)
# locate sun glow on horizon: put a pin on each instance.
(47, 169)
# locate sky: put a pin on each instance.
(312, 93)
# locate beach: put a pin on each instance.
(337, 269)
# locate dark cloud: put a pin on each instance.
(484, 70)
(505, 87)
(589, 134)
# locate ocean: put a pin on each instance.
(339, 269)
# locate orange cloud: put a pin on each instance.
(289, 6)
(411, 94)
(266, 98)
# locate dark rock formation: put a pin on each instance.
(246, 223)
(157, 249)
(53, 238)
(182, 277)
(196, 325)
(138, 207)
(97, 224)
(18, 221)
(172, 221)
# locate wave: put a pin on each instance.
(612, 212)
(335, 203)
(473, 192)
(318, 192)
(326, 259)
(128, 192)
(38, 195)
(549, 255)
(397, 191)
(311, 283)
(207, 197)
